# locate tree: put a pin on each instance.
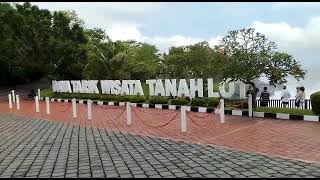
(250, 55)
(98, 54)
(36, 43)
(68, 53)
(25, 32)
(194, 61)
(146, 56)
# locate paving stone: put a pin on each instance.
(62, 151)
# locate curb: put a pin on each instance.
(143, 105)
(243, 113)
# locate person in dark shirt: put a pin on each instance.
(264, 97)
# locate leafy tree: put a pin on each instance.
(143, 61)
(250, 55)
(36, 43)
(194, 61)
(24, 41)
(98, 55)
(68, 53)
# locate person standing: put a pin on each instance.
(303, 97)
(285, 97)
(300, 97)
(264, 97)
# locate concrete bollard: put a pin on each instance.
(183, 119)
(47, 105)
(18, 102)
(37, 103)
(13, 96)
(129, 121)
(221, 110)
(10, 101)
(89, 109)
(39, 94)
(74, 108)
(250, 105)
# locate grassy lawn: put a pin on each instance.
(285, 110)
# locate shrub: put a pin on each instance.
(47, 93)
(237, 104)
(137, 99)
(120, 98)
(213, 102)
(199, 102)
(179, 101)
(315, 102)
(158, 100)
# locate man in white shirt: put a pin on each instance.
(285, 97)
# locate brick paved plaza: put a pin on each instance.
(39, 145)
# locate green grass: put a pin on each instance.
(47, 93)
(285, 110)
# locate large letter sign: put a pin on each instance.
(156, 87)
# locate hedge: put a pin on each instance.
(179, 101)
(202, 102)
(199, 102)
(158, 100)
(315, 102)
(213, 102)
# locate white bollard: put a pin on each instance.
(74, 108)
(37, 104)
(183, 118)
(250, 105)
(10, 101)
(128, 114)
(18, 102)
(39, 94)
(13, 96)
(89, 110)
(221, 110)
(47, 105)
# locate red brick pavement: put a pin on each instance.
(282, 138)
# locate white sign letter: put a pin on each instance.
(138, 88)
(159, 88)
(231, 89)
(151, 83)
(183, 88)
(171, 87)
(210, 89)
(194, 88)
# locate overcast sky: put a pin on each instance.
(294, 26)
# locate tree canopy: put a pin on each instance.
(249, 55)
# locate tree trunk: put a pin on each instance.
(253, 93)
(254, 97)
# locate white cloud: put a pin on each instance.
(163, 43)
(124, 32)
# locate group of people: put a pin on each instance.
(285, 95)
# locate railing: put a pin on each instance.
(277, 103)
